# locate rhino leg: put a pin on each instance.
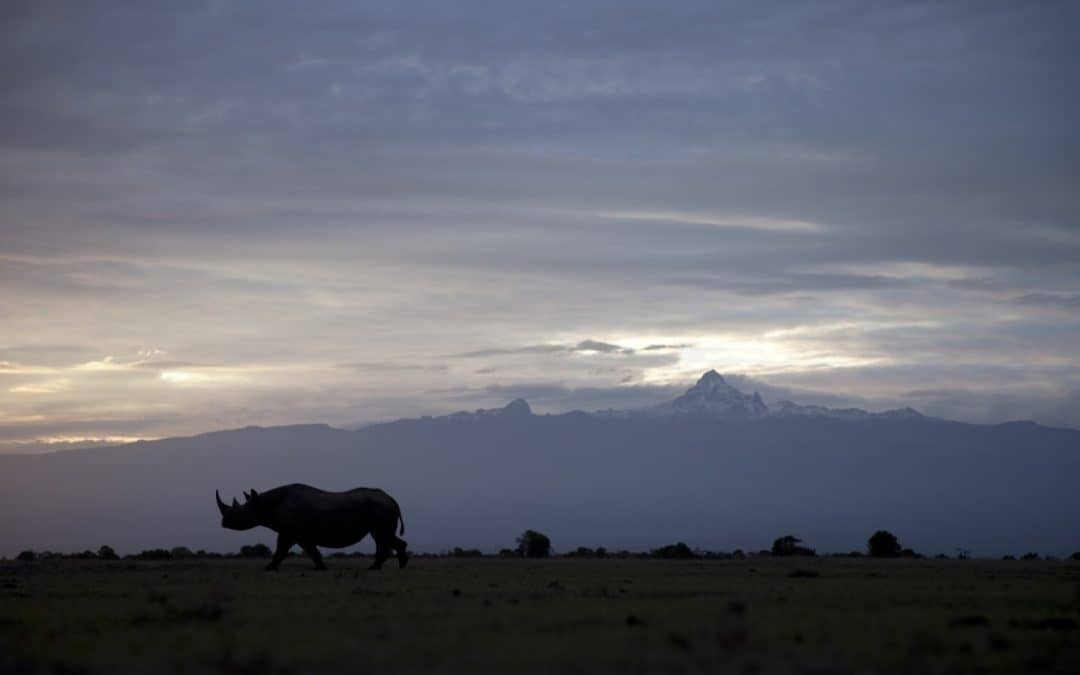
(382, 552)
(400, 545)
(284, 543)
(313, 552)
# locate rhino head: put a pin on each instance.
(239, 516)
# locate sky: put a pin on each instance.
(218, 214)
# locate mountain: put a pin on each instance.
(715, 467)
(713, 397)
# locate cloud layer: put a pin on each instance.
(227, 213)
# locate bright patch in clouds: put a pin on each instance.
(748, 221)
(45, 387)
(202, 378)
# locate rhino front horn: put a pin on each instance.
(220, 504)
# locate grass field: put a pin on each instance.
(561, 615)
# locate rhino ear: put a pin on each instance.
(254, 495)
(247, 496)
(235, 503)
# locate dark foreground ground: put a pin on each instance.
(587, 616)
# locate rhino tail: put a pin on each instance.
(401, 518)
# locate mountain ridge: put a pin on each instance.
(634, 481)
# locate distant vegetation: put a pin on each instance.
(883, 544)
(676, 551)
(533, 544)
(789, 545)
(586, 552)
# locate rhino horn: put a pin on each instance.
(220, 504)
(235, 504)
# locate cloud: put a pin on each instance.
(601, 347)
(392, 367)
(1057, 300)
(854, 203)
(596, 346)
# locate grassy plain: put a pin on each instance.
(561, 615)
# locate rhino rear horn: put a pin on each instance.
(220, 504)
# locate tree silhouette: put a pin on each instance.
(789, 545)
(107, 553)
(532, 544)
(678, 551)
(883, 544)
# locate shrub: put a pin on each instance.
(181, 553)
(107, 553)
(152, 554)
(255, 551)
(1030, 556)
(581, 552)
(1075, 556)
(789, 545)
(459, 552)
(883, 544)
(26, 556)
(507, 553)
(533, 544)
(677, 551)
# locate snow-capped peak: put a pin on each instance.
(713, 396)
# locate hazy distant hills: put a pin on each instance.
(715, 467)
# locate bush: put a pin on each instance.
(255, 551)
(581, 552)
(532, 544)
(84, 555)
(507, 553)
(181, 553)
(152, 554)
(459, 552)
(883, 544)
(1030, 556)
(26, 556)
(1075, 556)
(789, 545)
(677, 551)
(107, 553)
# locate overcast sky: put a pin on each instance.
(227, 213)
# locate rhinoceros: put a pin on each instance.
(310, 517)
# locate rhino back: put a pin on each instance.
(331, 516)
